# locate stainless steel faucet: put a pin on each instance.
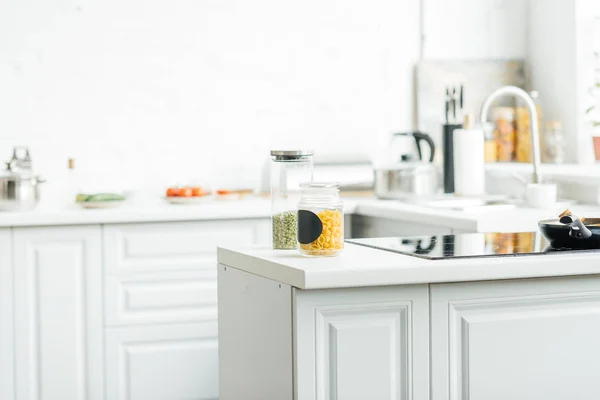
(533, 116)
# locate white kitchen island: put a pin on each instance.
(372, 324)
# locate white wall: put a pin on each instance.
(152, 93)
(475, 29)
(561, 45)
(168, 91)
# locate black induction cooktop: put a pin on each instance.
(442, 247)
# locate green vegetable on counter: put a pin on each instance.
(100, 197)
(285, 225)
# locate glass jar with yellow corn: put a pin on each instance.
(320, 219)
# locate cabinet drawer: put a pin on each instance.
(169, 362)
(161, 298)
(172, 246)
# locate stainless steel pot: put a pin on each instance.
(19, 188)
(407, 178)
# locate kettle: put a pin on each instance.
(409, 176)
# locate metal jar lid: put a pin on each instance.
(289, 155)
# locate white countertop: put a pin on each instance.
(131, 212)
(363, 266)
(511, 220)
(518, 219)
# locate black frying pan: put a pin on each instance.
(572, 233)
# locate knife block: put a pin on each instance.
(448, 152)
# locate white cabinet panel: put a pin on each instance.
(351, 341)
(171, 246)
(530, 339)
(362, 343)
(162, 362)
(6, 317)
(58, 313)
(189, 296)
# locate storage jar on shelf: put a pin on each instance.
(523, 128)
(320, 220)
(289, 168)
(504, 118)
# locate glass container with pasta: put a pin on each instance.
(320, 220)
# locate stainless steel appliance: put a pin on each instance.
(410, 176)
(19, 187)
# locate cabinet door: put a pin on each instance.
(165, 362)
(6, 317)
(363, 343)
(534, 339)
(167, 246)
(58, 313)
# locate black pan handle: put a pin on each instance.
(579, 230)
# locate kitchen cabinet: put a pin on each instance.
(527, 339)
(6, 317)
(362, 343)
(58, 313)
(353, 343)
(160, 298)
(168, 246)
(162, 362)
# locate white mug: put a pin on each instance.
(540, 195)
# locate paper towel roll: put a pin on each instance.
(469, 165)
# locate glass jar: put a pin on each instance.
(505, 135)
(490, 147)
(554, 143)
(320, 220)
(523, 128)
(289, 168)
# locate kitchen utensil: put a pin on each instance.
(408, 178)
(19, 187)
(454, 120)
(572, 235)
(447, 106)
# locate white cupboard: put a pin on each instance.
(363, 343)
(283, 343)
(162, 362)
(6, 317)
(534, 339)
(111, 312)
(58, 313)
